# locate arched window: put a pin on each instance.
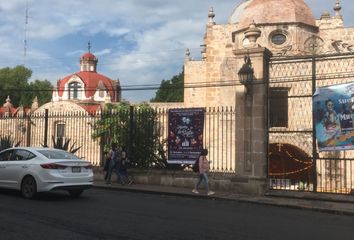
(278, 107)
(60, 132)
(74, 90)
(101, 93)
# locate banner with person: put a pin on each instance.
(333, 115)
(185, 135)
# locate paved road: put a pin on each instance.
(107, 214)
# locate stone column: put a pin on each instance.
(251, 124)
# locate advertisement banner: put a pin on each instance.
(333, 114)
(185, 135)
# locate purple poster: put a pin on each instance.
(185, 135)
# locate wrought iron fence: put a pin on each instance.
(130, 128)
(219, 136)
(294, 162)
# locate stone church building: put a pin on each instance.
(262, 28)
(259, 129)
(290, 53)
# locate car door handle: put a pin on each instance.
(24, 166)
(2, 167)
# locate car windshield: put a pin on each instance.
(53, 154)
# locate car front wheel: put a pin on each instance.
(28, 187)
(75, 192)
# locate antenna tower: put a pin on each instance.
(25, 37)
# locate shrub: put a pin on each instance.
(8, 142)
(59, 143)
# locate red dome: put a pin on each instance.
(91, 81)
(88, 56)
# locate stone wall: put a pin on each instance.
(79, 127)
(186, 179)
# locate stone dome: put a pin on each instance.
(272, 11)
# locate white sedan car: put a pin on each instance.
(33, 170)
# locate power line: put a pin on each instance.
(143, 87)
(205, 84)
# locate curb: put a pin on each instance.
(156, 192)
(270, 201)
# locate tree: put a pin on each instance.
(135, 128)
(12, 80)
(42, 89)
(14, 83)
(170, 90)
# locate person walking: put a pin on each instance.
(106, 164)
(123, 168)
(204, 167)
(115, 156)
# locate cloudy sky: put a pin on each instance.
(141, 42)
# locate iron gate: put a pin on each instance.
(294, 162)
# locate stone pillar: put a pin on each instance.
(251, 124)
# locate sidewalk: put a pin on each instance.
(298, 201)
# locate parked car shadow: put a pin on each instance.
(44, 196)
(10, 192)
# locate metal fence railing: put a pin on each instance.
(135, 132)
(294, 162)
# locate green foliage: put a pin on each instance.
(59, 143)
(134, 128)
(40, 89)
(11, 80)
(8, 142)
(170, 90)
(113, 125)
(147, 146)
(14, 83)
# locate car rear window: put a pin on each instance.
(52, 154)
